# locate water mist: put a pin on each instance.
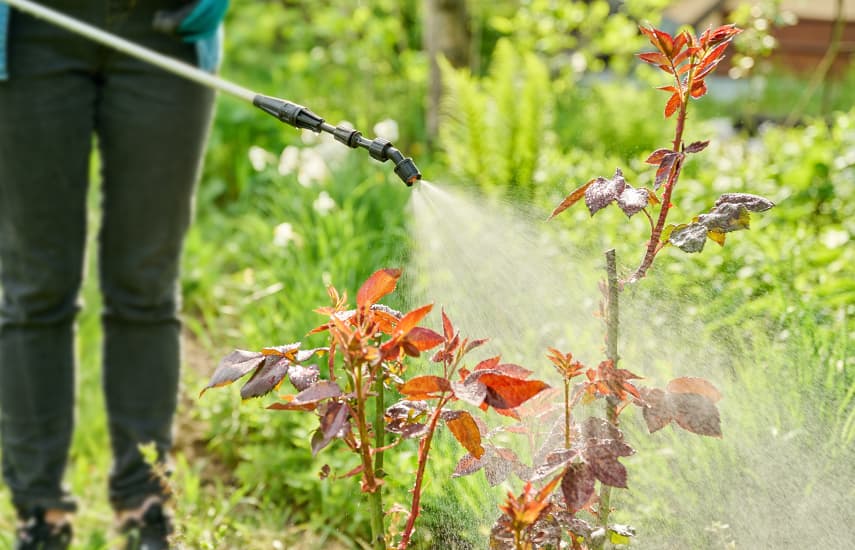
(774, 481)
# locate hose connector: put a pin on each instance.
(379, 148)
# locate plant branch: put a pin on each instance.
(653, 243)
(369, 480)
(612, 323)
(424, 449)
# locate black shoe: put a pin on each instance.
(151, 532)
(37, 534)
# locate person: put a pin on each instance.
(151, 127)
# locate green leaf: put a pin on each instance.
(690, 238)
(621, 534)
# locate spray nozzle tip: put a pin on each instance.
(407, 171)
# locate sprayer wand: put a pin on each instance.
(290, 113)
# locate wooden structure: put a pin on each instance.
(800, 46)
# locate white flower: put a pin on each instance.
(324, 203)
(309, 137)
(284, 234)
(289, 160)
(387, 128)
(260, 158)
(312, 168)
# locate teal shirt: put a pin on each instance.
(209, 47)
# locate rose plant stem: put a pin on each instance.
(424, 449)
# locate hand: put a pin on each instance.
(195, 21)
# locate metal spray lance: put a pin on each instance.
(290, 113)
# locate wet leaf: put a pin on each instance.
(620, 534)
(571, 199)
(466, 431)
(331, 424)
(696, 413)
(601, 193)
(725, 218)
(467, 465)
(505, 392)
(697, 146)
(302, 377)
(311, 396)
(288, 350)
(424, 339)
(233, 366)
(690, 238)
(379, 284)
(509, 369)
(267, 378)
(753, 203)
(666, 167)
(471, 391)
(607, 469)
(423, 387)
(577, 486)
(691, 384)
(407, 418)
(657, 156)
(657, 410)
(632, 201)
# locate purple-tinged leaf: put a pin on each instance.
(725, 218)
(657, 410)
(407, 418)
(692, 384)
(753, 203)
(666, 167)
(632, 200)
(577, 486)
(601, 193)
(301, 377)
(233, 366)
(471, 391)
(658, 155)
(697, 146)
(316, 393)
(467, 465)
(267, 378)
(690, 238)
(607, 469)
(597, 428)
(332, 423)
(696, 413)
(553, 462)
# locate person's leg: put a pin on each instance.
(46, 123)
(152, 129)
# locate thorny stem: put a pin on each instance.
(653, 244)
(424, 449)
(566, 413)
(375, 496)
(612, 322)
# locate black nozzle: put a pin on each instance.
(289, 113)
(379, 148)
(407, 171)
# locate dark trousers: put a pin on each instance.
(151, 129)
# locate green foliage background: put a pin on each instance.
(534, 117)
